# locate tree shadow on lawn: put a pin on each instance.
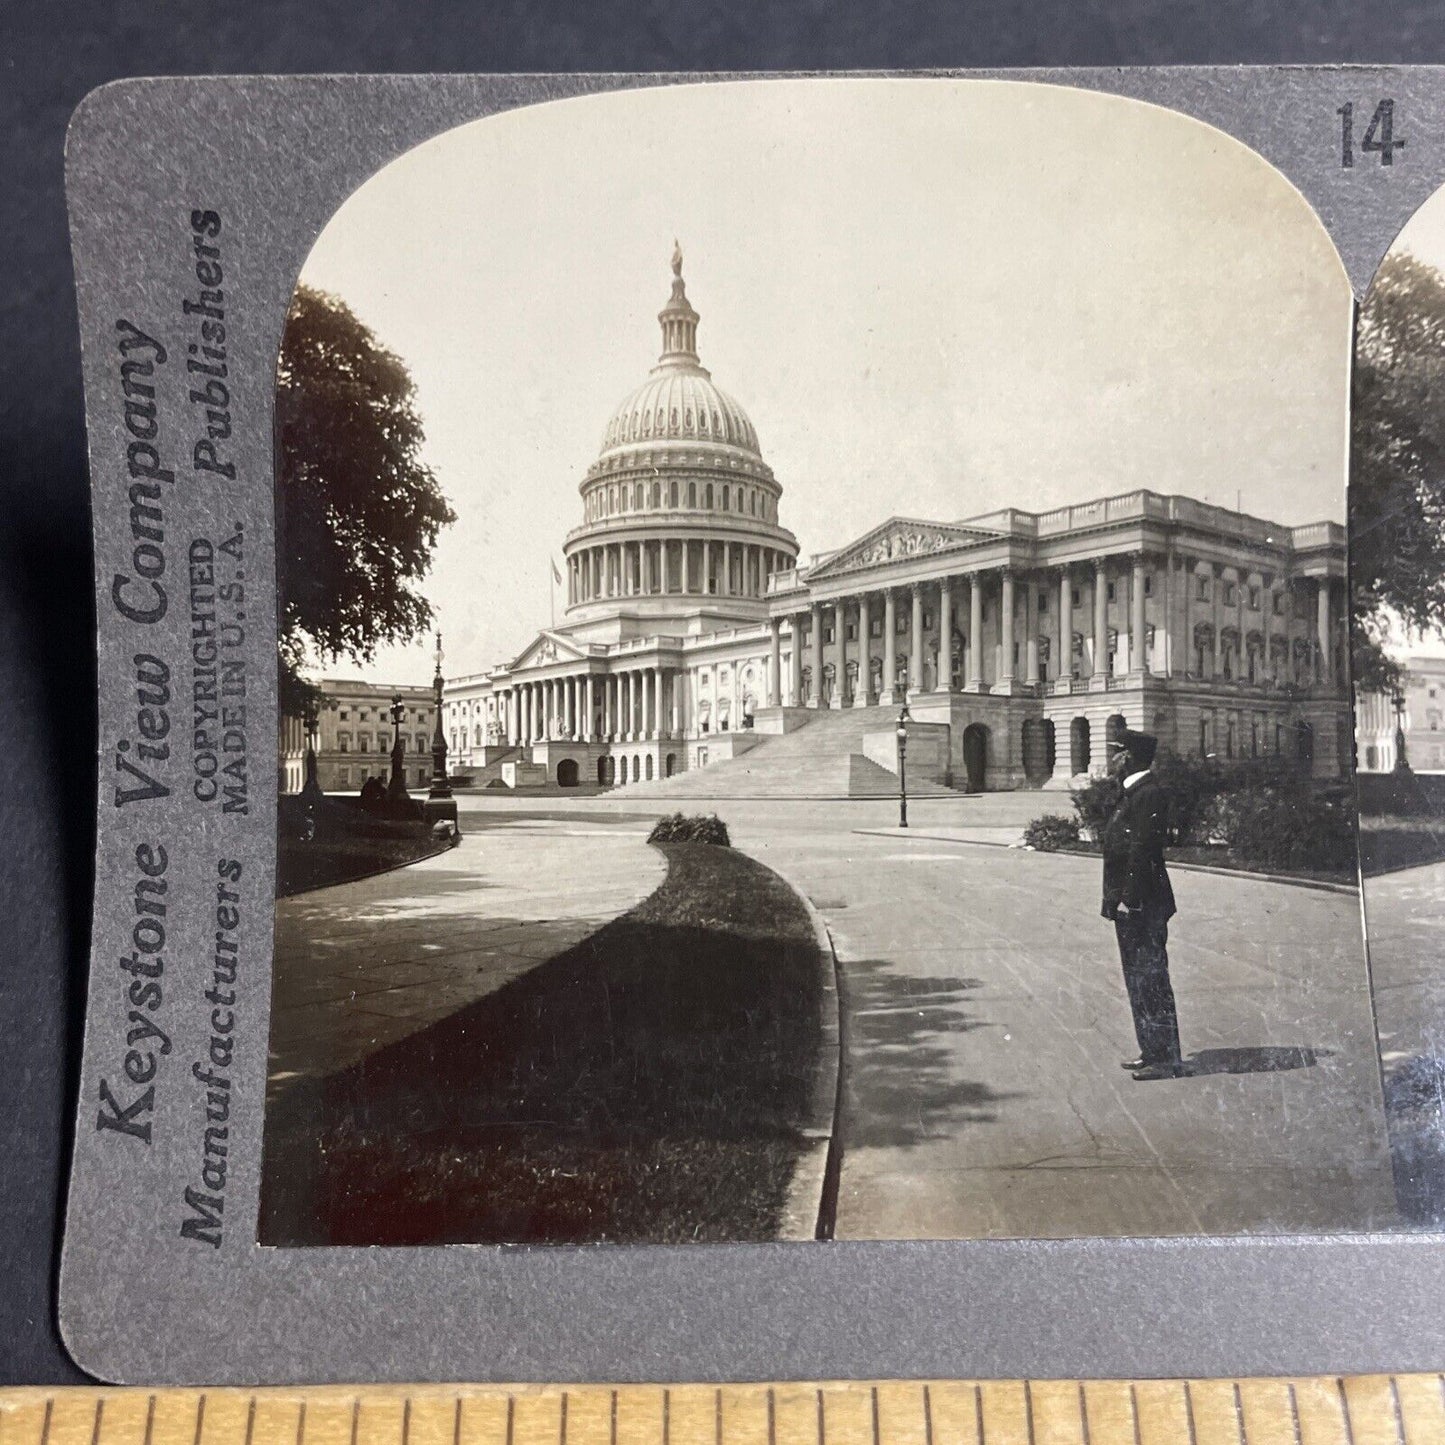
(900, 1072)
(647, 1085)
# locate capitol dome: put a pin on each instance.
(679, 501)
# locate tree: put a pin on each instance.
(358, 512)
(1397, 464)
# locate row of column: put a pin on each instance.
(672, 567)
(1009, 677)
(625, 706)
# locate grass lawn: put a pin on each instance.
(1402, 820)
(647, 1085)
(349, 844)
(1218, 856)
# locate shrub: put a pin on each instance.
(1287, 826)
(1093, 803)
(1052, 832)
(678, 828)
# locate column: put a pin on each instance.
(1216, 587)
(1031, 631)
(686, 548)
(646, 718)
(840, 666)
(569, 692)
(1066, 628)
(1138, 658)
(657, 714)
(775, 661)
(944, 681)
(815, 617)
(975, 632)
(915, 643)
(1322, 629)
(890, 647)
(795, 663)
(590, 701)
(1007, 671)
(706, 566)
(1101, 623)
(609, 708)
(629, 707)
(863, 695)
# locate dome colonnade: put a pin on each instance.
(679, 501)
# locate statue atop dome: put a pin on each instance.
(676, 258)
(679, 320)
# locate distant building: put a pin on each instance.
(354, 737)
(1423, 721)
(693, 631)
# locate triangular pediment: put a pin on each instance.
(545, 649)
(896, 540)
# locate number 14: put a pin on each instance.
(1379, 136)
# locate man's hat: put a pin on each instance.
(1140, 746)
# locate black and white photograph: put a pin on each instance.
(815, 684)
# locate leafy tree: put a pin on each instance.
(1397, 464)
(357, 511)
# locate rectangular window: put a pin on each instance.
(343, 742)
(875, 627)
(345, 715)
(902, 622)
(852, 631)
(1278, 603)
(1074, 599)
(1201, 590)
(927, 619)
(343, 777)
(1043, 604)
(1254, 599)
(1229, 594)
(1110, 592)
(830, 633)
(363, 742)
(983, 612)
(1148, 584)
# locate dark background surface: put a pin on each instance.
(50, 56)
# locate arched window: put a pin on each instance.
(637, 497)
(672, 495)
(657, 494)
(692, 494)
(707, 497)
(725, 506)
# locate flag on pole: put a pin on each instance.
(556, 575)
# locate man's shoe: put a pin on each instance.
(1169, 1069)
(1140, 1063)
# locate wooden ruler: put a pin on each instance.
(1356, 1410)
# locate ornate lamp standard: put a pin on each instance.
(396, 788)
(311, 718)
(439, 805)
(1402, 763)
(903, 720)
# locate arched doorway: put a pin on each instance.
(1115, 726)
(647, 772)
(975, 756)
(567, 776)
(1038, 750)
(671, 765)
(1304, 742)
(1079, 750)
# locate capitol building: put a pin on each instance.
(698, 640)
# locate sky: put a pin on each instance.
(934, 298)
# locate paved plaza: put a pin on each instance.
(984, 1016)
(1406, 912)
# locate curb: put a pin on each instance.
(811, 1203)
(1317, 884)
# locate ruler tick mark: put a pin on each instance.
(405, 1422)
(1294, 1414)
(1028, 1411)
(717, 1416)
(301, 1424)
(201, 1416)
(355, 1418)
(99, 1413)
(927, 1416)
(874, 1395)
(1188, 1413)
(511, 1417)
(151, 1419)
(667, 1417)
(978, 1413)
(562, 1422)
(250, 1422)
(1134, 1410)
(612, 1421)
(1239, 1415)
(45, 1423)
(772, 1416)
(1345, 1409)
(1399, 1413)
(822, 1418)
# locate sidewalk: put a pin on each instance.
(364, 964)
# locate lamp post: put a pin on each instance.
(1402, 763)
(439, 805)
(311, 718)
(903, 719)
(396, 788)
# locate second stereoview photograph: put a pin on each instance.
(816, 684)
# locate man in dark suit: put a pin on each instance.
(1139, 900)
